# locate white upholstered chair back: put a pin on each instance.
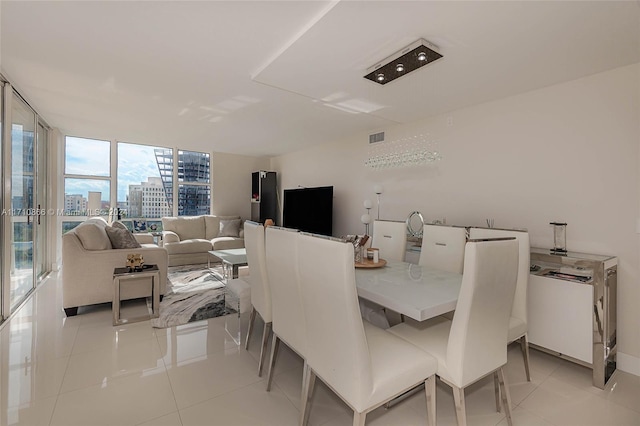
(286, 300)
(337, 348)
(391, 238)
(520, 299)
(478, 338)
(256, 260)
(443, 247)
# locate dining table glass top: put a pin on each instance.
(412, 290)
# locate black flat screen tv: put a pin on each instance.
(309, 209)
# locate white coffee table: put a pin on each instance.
(232, 258)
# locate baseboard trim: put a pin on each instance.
(628, 363)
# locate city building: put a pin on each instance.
(75, 203)
(148, 200)
(194, 198)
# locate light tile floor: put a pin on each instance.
(83, 371)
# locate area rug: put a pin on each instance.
(193, 293)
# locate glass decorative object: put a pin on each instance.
(411, 151)
(559, 237)
(415, 224)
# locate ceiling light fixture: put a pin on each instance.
(412, 57)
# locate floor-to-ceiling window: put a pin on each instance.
(21, 215)
(23, 198)
(144, 178)
(87, 180)
(145, 182)
(41, 201)
(194, 189)
(2, 205)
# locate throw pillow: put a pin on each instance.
(120, 225)
(121, 238)
(93, 236)
(230, 228)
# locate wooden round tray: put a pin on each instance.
(369, 264)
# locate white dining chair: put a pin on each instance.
(390, 238)
(286, 301)
(364, 365)
(443, 247)
(260, 291)
(474, 344)
(518, 325)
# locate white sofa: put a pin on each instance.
(88, 261)
(188, 239)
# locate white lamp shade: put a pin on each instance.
(365, 218)
(368, 204)
(377, 189)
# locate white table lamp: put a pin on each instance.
(366, 219)
(378, 190)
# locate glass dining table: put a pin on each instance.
(411, 290)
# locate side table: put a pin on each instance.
(120, 276)
(158, 238)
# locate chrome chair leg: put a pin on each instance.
(359, 418)
(506, 397)
(461, 410)
(524, 345)
(309, 381)
(430, 391)
(263, 350)
(252, 319)
(496, 387)
(275, 345)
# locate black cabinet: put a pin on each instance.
(264, 196)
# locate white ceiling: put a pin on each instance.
(265, 78)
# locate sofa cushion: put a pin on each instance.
(93, 236)
(188, 246)
(187, 227)
(230, 228)
(226, 243)
(121, 238)
(212, 226)
(98, 220)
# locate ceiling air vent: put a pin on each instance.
(376, 137)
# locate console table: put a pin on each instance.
(572, 309)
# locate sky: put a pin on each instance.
(92, 157)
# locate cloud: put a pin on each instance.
(136, 163)
(87, 157)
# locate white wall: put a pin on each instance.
(569, 152)
(232, 183)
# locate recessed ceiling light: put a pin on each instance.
(412, 57)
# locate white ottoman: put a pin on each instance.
(241, 289)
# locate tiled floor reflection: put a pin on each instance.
(83, 371)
